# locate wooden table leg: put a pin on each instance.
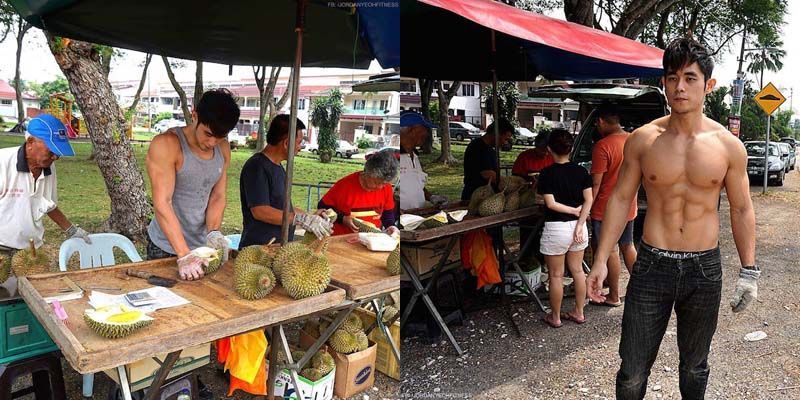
(161, 376)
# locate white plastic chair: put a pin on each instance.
(98, 254)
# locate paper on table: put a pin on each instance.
(165, 299)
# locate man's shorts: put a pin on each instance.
(558, 238)
(627, 233)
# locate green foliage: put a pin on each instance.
(44, 90)
(507, 99)
(2, 120)
(716, 108)
(754, 120)
(251, 142)
(363, 143)
(162, 116)
(433, 109)
(325, 113)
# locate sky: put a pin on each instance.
(38, 64)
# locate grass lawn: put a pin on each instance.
(83, 198)
(450, 180)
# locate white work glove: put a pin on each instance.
(438, 200)
(746, 289)
(76, 232)
(190, 266)
(315, 224)
(216, 240)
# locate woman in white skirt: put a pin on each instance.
(567, 191)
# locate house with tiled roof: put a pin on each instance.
(8, 101)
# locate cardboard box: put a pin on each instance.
(425, 258)
(355, 372)
(319, 390)
(385, 361)
(142, 372)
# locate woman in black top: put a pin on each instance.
(567, 191)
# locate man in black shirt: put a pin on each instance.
(262, 190)
(480, 159)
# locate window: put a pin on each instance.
(166, 100)
(359, 104)
(5, 102)
(468, 90)
(384, 104)
(301, 104)
(252, 102)
(240, 101)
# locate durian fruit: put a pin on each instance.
(29, 262)
(363, 341)
(511, 183)
(115, 321)
(331, 215)
(493, 205)
(255, 254)
(527, 198)
(5, 267)
(307, 273)
(478, 196)
(344, 342)
(323, 362)
(393, 261)
(352, 324)
(431, 223)
(252, 281)
(213, 256)
(512, 202)
(389, 312)
(287, 252)
(312, 374)
(364, 226)
(323, 325)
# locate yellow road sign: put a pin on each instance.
(770, 98)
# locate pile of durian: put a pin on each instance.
(321, 363)
(349, 338)
(303, 270)
(514, 193)
(25, 262)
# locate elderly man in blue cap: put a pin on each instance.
(414, 128)
(28, 186)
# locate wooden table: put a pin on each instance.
(453, 231)
(215, 312)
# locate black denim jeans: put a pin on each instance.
(659, 283)
(154, 252)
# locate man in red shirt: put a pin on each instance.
(533, 160)
(367, 195)
(606, 161)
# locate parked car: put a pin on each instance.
(637, 105)
(787, 155)
(165, 124)
(462, 130)
(524, 136)
(311, 147)
(345, 149)
(373, 151)
(755, 163)
(789, 140)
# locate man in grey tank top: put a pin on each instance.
(188, 167)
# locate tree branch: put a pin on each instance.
(138, 94)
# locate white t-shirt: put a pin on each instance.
(412, 182)
(23, 201)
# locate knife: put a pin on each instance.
(151, 279)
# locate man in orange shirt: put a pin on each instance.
(606, 161)
(533, 160)
(367, 195)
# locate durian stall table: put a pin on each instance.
(453, 231)
(215, 312)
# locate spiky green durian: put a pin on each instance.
(287, 253)
(393, 261)
(493, 205)
(364, 226)
(344, 342)
(363, 341)
(307, 273)
(255, 254)
(478, 196)
(352, 324)
(30, 262)
(252, 281)
(389, 312)
(323, 362)
(115, 321)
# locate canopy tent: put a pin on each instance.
(451, 39)
(389, 82)
(239, 32)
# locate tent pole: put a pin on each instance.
(494, 108)
(298, 58)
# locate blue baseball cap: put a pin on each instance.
(411, 118)
(53, 133)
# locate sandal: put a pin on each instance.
(550, 322)
(570, 317)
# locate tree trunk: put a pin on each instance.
(187, 115)
(446, 157)
(579, 11)
(638, 14)
(130, 210)
(266, 89)
(23, 27)
(132, 108)
(426, 90)
(198, 84)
